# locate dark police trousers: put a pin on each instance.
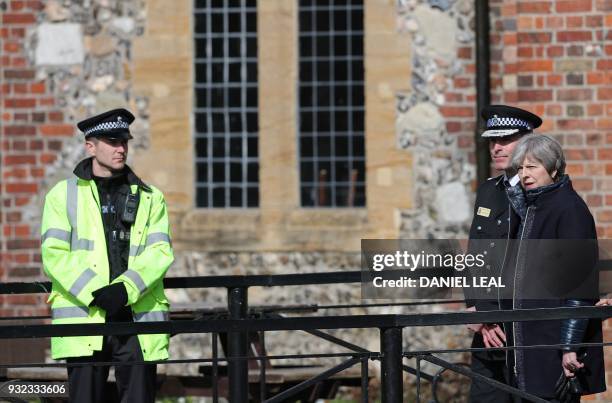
(481, 392)
(135, 383)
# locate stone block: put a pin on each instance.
(59, 44)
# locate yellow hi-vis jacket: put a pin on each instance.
(75, 259)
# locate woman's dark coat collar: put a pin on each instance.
(84, 171)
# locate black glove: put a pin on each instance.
(569, 390)
(110, 298)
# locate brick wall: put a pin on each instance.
(32, 129)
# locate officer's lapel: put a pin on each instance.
(142, 215)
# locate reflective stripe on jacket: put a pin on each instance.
(74, 258)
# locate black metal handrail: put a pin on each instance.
(239, 324)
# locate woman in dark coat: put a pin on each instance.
(553, 266)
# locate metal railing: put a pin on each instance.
(238, 325)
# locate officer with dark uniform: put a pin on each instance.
(106, 248)
(493, 223)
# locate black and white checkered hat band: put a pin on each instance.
(495, 122)
(106, 126)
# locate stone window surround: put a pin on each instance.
(279, 224)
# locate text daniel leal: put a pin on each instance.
(451, 282)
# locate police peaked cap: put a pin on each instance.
(503, 120)
(114, 124)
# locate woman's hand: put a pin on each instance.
(570, 364)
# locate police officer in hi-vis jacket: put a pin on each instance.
(106, 248)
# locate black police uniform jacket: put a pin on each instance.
(493, 223)
(556, 246)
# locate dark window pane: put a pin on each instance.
(251, 96)
(341, 70)
(357, 44)
(252, 122)
(236, 147)
(323, 71)
(341, 146)
(306, 122)
(305, 47)
(323, 195)
(251, 25)
(234, 47)
(306, 96)
(341, 121)
(201, 74)
(218, 121)
(217, 3)
(235, 120)
(217, 72)
(202, 172)
(218, 172)
(235, 197)
(340, 46)
(234, 97)
(357, 20)
(253, 172)
(217, 97)
(360, 196)
(201, 98)
(358, 98)
(305, 71)
(202, 197)
(200, 23)
(306, 146)
(218, 47)
(251, 47)
(218, 148)
(236, 172)
(340, 21)
(323, 122)
(235, 74)
(323, 44)
(341, 171)
(360, 167)
(342, 196)
(322, 22)
(201, 123)
(201, 3)
(200, 48)
(202, 147)
(307, 172)
(252, 72)
(357, 71)
(252, 147)
(358, 145)
(217, 22)
(252, 197)
(308, 196)
(234, 21)
(324, 146)
(340, 95)
(358, 121)
(305, 20)
(219, 197)
(323, 95)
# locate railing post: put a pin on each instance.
(237, 345)
(391, 368)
